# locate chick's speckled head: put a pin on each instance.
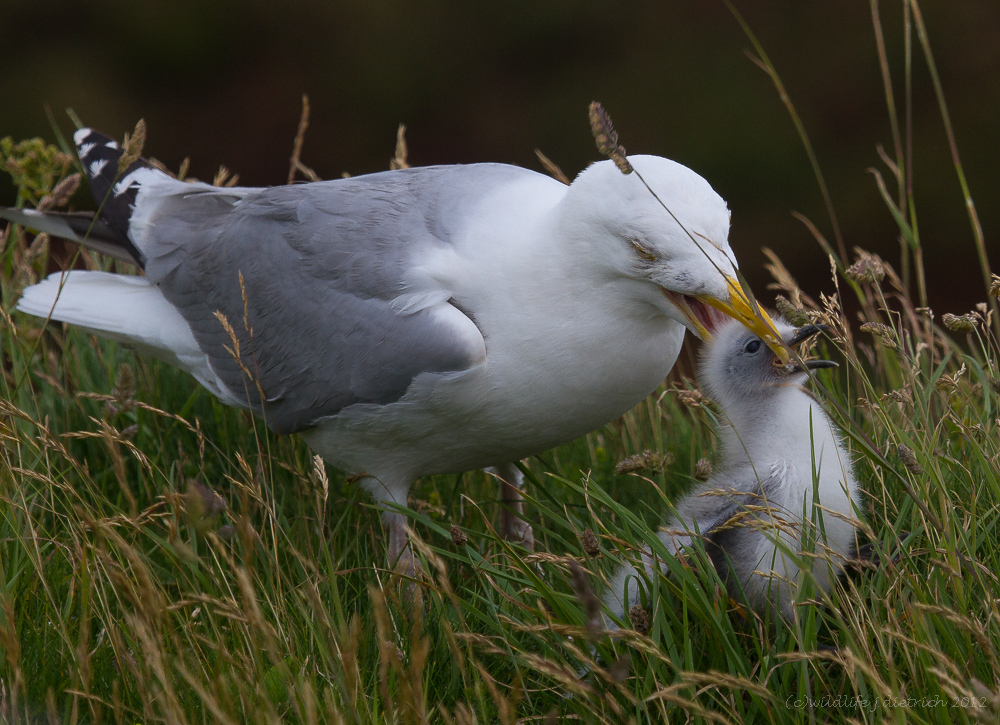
(737, 366)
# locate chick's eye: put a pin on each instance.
(752, 347)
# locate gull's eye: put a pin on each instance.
(642, 250)
(752, 347)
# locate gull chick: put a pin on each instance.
(784, 493)
(411, 322)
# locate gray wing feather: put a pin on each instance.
(719, 511)
(321, 265)
(712, 506)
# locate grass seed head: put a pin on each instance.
(691, 398)
(639, 618)
(645, 461)
(458, 537)
(703, 469)
(607, 138)
(795, 315)
(885, 333)
(909, 460)
(958, 323)
(868, 268)
(33, 165)
(132, 148)
(901, 396)
(588, 539)
(61, 194)
(124, 384)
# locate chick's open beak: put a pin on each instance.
(751, 315)
(801, 335)
(805, 332)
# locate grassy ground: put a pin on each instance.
(129, 593)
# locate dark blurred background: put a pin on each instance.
(221, 81)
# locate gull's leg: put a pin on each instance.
(513, 527)
(392, 490)
(400, 552)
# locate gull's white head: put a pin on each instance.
(742, 373)
(680, 245)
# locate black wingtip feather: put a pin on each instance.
(99, 156)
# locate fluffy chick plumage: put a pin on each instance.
(784, 493)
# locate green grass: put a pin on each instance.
(122, 601)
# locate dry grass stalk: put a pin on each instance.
(552, 168)
(400, 160)
(294, 163)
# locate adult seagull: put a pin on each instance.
(411, 322)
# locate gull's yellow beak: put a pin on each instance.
(751, 315)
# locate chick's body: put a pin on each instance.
(784, 493)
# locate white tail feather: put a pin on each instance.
(128, 310)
